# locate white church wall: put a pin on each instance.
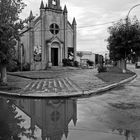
(54, 18)
(37, 34)
(69, 38)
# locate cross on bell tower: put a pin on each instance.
(54, 4)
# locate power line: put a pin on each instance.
(101, 24)
(78, 28)
(82, 27)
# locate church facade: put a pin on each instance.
(49, 38)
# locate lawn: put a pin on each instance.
(114, 75)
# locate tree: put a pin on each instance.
(124, 39)
(10, 23)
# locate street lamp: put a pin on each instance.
(132, 9)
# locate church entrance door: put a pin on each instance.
(54, 56)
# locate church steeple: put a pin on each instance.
(74, 22)
(31, 17)
(65, 9)
(42, 5)
(42, 8)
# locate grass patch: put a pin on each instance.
(114, 75)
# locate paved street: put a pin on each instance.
(113, 115)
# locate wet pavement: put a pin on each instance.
(114, 115)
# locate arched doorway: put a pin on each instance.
(54, 53)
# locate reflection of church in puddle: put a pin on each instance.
(49, 38)
(51, 116)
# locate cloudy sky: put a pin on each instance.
(90, 14)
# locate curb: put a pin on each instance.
(26, 77)
(73, 94)
(111, 86)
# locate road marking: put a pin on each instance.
(52, 85)
(60, 84)
(73, 85)
(49, 84)
(33, 85)
(55, 84)
(44, 85)
(27, 86)
(66, 85)
(39, 85)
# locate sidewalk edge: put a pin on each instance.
(111, 86)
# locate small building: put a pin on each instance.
(48, 38)
(99, 59)
(85, 56)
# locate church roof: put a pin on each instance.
(37, 19)
(74, 22)
(54, 38)
(65, 9)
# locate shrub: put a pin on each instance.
(26, 67)
(90, 63)
(67, 62)
(101, 68)
(76, 64)
(13, 66)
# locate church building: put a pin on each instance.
(48, 38)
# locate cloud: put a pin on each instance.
(90, 13)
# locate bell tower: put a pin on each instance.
(54, 4)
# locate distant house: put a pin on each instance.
(86, 55)
(99, 59)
